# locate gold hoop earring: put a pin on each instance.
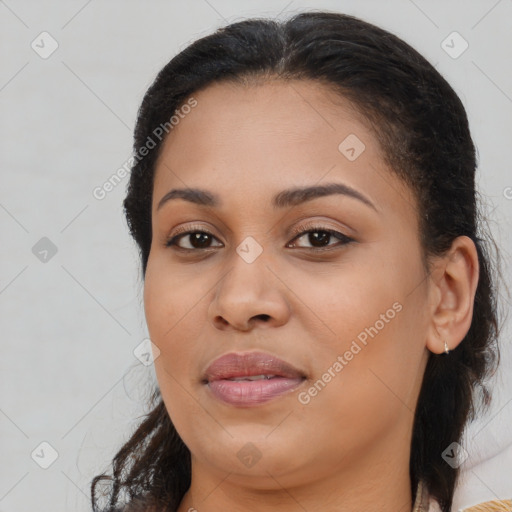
(446, 349)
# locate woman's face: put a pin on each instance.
(329, 281)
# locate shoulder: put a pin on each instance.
(491, 506)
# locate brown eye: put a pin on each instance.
(193, 240)
(320, 237)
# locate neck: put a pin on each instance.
(381, 484)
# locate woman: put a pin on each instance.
(319, 297)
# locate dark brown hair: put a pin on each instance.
(423, 130)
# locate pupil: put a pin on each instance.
(319, 237)
(316, 238)
(200, 240)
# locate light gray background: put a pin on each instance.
(69, 325)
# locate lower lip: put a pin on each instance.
(247, 393)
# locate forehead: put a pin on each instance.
(278, 112)
(255, 140)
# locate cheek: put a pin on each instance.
(170, 303)
(176, 318)
(369, 350)
(364, 391)
(352, 301)
(171, 297)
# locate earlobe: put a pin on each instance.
(453, 285)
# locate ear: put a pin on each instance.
(452, 287)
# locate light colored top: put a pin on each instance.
(423, 503)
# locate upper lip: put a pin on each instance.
(249, 364)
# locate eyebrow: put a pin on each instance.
(285, 198)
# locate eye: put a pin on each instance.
(195, 239)
(319, 237)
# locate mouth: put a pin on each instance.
(250, 379)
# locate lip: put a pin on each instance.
(282, 378)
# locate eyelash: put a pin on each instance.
(299, 232)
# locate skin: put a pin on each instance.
(348, 448)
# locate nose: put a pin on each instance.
(249, 294)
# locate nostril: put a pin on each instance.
(263, 317)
